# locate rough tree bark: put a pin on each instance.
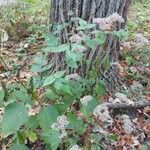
(87, 10)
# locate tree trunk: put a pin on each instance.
(87, 10)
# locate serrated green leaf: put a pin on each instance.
(106, 62)
(19, 146)
(53, 138)
(36, 68)
(100, 89)
(59, 74)
(47, 116)
(58, 49)
(83, 25)
(31, 135)
(72, 64)
(76, 123)
(32, 122)
(2, 95)
(49, 80)
(51, 40)
(88, 110)
(15, 115)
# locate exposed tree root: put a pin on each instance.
(128, 106)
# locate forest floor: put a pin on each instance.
(135, 70)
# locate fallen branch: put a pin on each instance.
(124, 105)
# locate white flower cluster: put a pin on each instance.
(115, 17)
(108, 23)
(76, 38)
(74, 76)
(86, 99)
(126, 124)
(141, 41)
(75, 147)
(101, 112)
(61, 124)
(79, 48)
(120, 98)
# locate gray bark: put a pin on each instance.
(87, 10)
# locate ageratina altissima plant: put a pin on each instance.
(101, 112)
(108, 23)
(60, 125)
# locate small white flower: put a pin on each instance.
(55, 126)
(76, 38)
(75, 147)
(108, 23)
(103, 23)
(62, 121)
(86, 99)
(102, 113)
(79, 49)
(60, 125)
(74, 76)
(127, 124)
(115, 17)
(63, 134)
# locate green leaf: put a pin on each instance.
(92, 43)
(2, 95)
(51, 40)
(76, 123)
(84, 25)
(59, 74)
(36, 68)
(96, 147)
(53, 138)
(121, 34)
(31, 135)
(32, 123)
(19, 94)
(15, 115)
(100, 89)
(66, 88)
(58, 49)
(49, 80)
(106, 62)
(39, 60)
(88, 110)
(19, 146)
(47, 116)
(72, 64)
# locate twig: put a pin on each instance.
(123, 105)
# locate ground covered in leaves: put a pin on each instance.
(128, 128)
